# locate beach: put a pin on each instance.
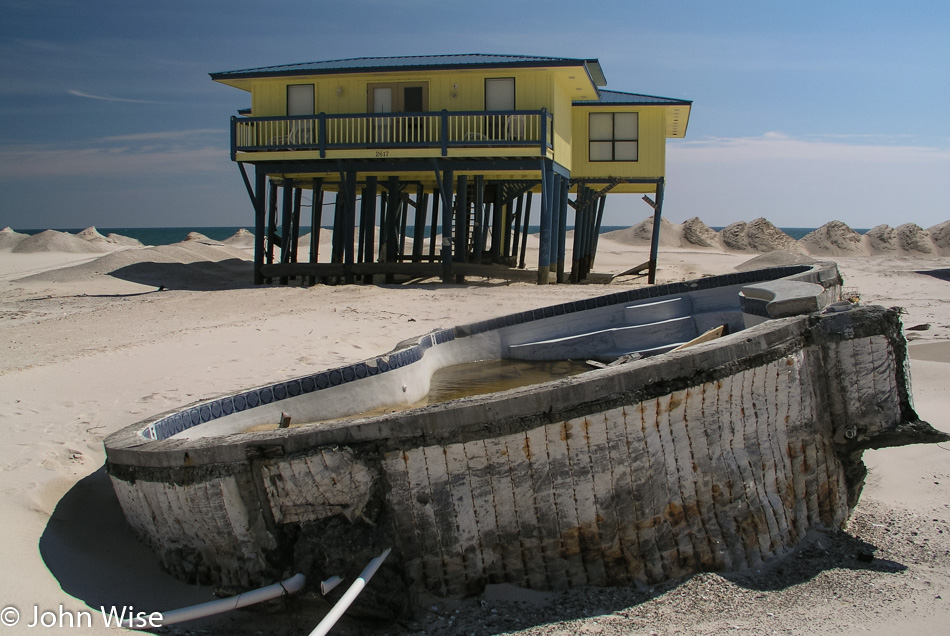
(98, 334)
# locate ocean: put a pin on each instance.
(169, 235)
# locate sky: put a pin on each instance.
(803, 112)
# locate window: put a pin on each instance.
(299, 100)
(500, 93)
(613, 136)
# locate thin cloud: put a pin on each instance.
(107, 98)
(167, 135)
(776, 146)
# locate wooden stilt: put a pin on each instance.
(368, 224)
(260, 212)
(336, 237)
(383, 213)
(295, 225)
(392, 218)
(497, 226)
(555, 221)
(526, 225)
(477, 224)
(577, 244)
(286, 217)
(434, 231)
(461, 251)
(316, 219)
(562, 228)
(349, 223)
(516, 228)
(655, 243)
(445, 189)
(601, 202)
(419, 223)
(544, 251)
(272, 236)
(403, 225)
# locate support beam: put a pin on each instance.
(445, 189)
(526, 225)
(434, 230)
(478, 231)
(655, 244)
(295, 224)
(565, 185)
(260, 212)
(419, 223)
(286, 213)
(547, 212)
(272, 236)
(460, 252)
(348, 184)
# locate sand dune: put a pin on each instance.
(10, 238)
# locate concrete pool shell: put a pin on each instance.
(715, 457)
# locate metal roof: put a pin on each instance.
(633, 99)
(414, 62)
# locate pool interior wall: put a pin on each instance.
(649, 320)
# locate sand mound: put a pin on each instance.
(940, 235)
(695, 232)
(882, 239)
(185, 265)
(198, 236)
(126, 241)
(241, 238)
(642, 234)
(913, 238)
(9, 239)
(91, 234)
(909, 238)
(776, 258)
(758, 236)
(834, 239)
(765, 237)
(53, 241)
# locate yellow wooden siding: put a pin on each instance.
(651, 161)
(456, 90)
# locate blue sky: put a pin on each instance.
(803, 112)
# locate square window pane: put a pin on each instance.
(625, 151)
(601, 151)
(626, 126)
(412, 99)
(601, 126)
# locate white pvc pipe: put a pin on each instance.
(347, 599)
(289, 586)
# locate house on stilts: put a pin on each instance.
(462, 153)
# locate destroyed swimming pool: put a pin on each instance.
(675, 459)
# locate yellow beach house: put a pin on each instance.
(440, 163)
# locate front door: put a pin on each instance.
(396, 97)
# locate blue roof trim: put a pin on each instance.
(633, 99)
(414, 62)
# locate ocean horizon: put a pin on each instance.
(170, 235)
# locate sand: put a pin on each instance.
(91, 345)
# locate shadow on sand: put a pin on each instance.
(942, 274)
(233, 273)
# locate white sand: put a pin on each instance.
(86, 352)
